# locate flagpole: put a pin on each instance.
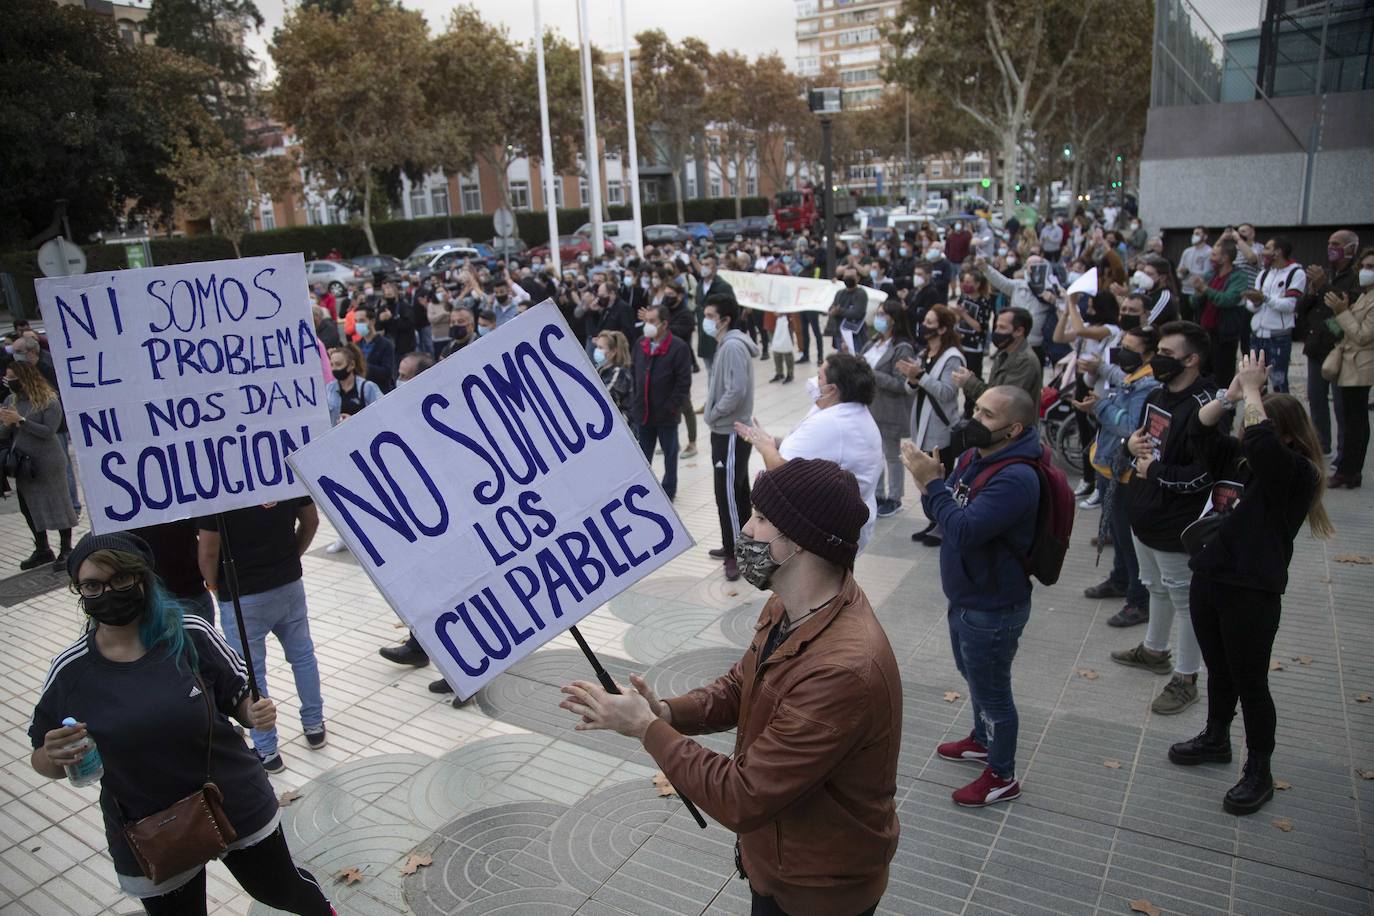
(591, 153)
(633, 155)
(546, 160)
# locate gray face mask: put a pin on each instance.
(756, 563)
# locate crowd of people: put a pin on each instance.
(934, 361)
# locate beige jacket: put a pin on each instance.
(1357, 346)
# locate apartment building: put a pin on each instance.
(845, 34)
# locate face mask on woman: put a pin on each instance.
(342, 374)
(881, 324)
(115, 608)
(1141, 280)
(1367, 276)
(599, 356)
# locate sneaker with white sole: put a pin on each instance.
(317, 739)
(1084, 488)
(967, 750)
(988, 789)
(337, 546)
(1093, 501)
(274, 764)
(1177, 695)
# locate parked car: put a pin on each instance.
(427, 264)
(725, 230)
(511, 246)
(699, 231)
(758, 226)
(570, 247)
(338, 276)
(619, 231)
(439, 245)
(665, 234)
(381, 266)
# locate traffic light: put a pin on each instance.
(1068, 151)
(1018, 187)
(1118, 157)
(987, 183)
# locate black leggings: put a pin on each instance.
(1235, 629)
(265, 871)
(40, 538)
(1352, 405)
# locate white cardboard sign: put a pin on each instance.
(496, 499)
(185, 387)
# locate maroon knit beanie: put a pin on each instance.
(816, 503)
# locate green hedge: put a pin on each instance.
(397, 237)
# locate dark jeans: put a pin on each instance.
(984, 644)
(811, 329)
(689, 416)
(1125, 566)
(1235, 629)
(1278, 351)
(665, 435)
(1223, 360)
(1352, 406)
(730, 459)
(264, 870)
(768, 906)
(1321, 398)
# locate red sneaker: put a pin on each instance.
(988, 789)
(966, 750)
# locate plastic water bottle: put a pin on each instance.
(89, 768)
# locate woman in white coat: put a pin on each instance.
(936, 407)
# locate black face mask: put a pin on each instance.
(973, 434)
(1128, 360)
(1000, 340)
(341, 374)
(850, 282)
(115, 608)
(1128, 322)
(928, 332)
(458, 332)
(1166, 368)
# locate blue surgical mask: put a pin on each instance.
(904, 251)
(881, 324)
(361, 327)
(483, 330)
(627, 280)
(708, 327)
(598, 356)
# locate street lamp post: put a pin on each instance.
(827, 102)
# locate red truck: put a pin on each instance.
(796, 210)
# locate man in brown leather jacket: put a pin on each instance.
(816, 699)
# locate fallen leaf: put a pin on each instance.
(400, 625)
(731, 592)
(1365, 774)
(1146, 907)
(348, 876)
(1363, 698)
(1303, 659)
(1284, 824)
(1112, 764)
(1282, 785)
(951, 696)
(286, 798)
(665, 788)
(1275, 665)
(1358, 559)
(414, 862)
(1087, 674)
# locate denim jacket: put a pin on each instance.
(1117, 413)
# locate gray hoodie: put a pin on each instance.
(730, 393)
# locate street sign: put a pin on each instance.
(505, 223)
(60, 258)
(136, 254)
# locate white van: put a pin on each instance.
(936, 206)
(616, 231)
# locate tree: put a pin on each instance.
(212, 32)
(89, 119)
(728, 84)
(1001, 62)
(354, 90)
(774, 109)
(670, 89)
(215, 183)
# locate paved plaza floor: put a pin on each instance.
(518, 813)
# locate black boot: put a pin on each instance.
(1213, 745)
(42, 553)
(59, 564)
(1255, 788)
(407, 653)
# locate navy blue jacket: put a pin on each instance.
(984, 538)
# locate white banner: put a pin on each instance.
(185, 387)
(784, 293)
(496, 499)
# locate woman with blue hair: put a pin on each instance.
(154, 689)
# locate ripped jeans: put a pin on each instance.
(984, 644)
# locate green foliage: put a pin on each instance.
(211, 32)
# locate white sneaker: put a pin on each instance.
(1093, 501)
(337, 547)
(1083, 488)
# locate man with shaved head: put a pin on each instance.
(987, 532)
(1340, 275)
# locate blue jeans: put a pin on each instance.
(1277, 353)
(425, 340)
(665, 435)
(280, 611)
(1125, 565)
(984, 644)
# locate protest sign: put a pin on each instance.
(496, 499)
(185, 387)
(784, 293)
